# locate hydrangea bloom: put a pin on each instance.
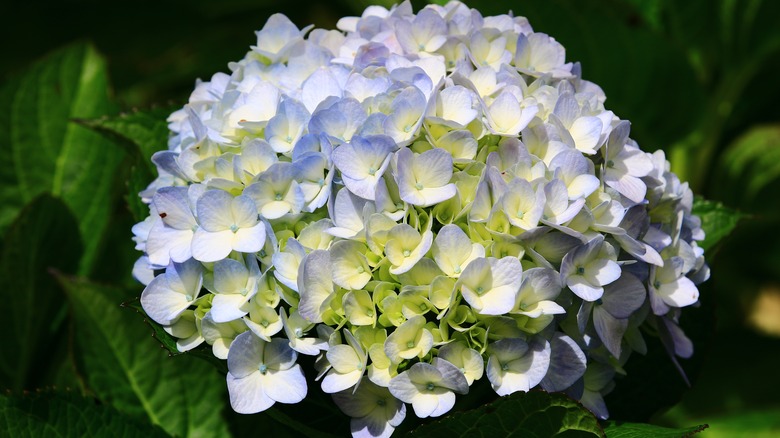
(420, 201)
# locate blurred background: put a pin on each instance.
(696, 78)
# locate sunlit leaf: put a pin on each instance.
(717, 221)
(129, 371)
(42, 150)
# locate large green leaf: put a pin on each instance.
(127, 369)
(717, 221)
(168, 342)
(141, 133)
(43, 237)
(619, 429)
(536, 413)
(42, 150)
(67, 415)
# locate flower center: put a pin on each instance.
(298, 332)
(278, 197)
(657, 285)
(407, 253)
(580, 270)
(381, 402)
(234, 228)
(610, 164)
(371, 171)
(505, 367)
(457, 269)
(264, 323)
(410, 344)
(263, 368)
(418, 186)
(360, 270)
(480, 290)
(430, 386)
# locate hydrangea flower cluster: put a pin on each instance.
(419, 201)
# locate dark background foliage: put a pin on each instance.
(696, 78)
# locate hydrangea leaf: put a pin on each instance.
(617, 429)
(717, 221)
(181, 395)
(43, 237)
(141, 134)
(67, 414)
(43, 151)
(535, 413)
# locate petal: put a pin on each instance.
(247, 356)
(165, 242)
(287, 386)
(335, 382)
(624, 296)
(609, 329)
(586, 132)
(161, 303)
(583, 289)
(433, 168)
(211, 247)
(247, 395)
(567, 364)
(225, 308)
(215, 210)
(601, 272)
(249, 240)
(173, 207)
(348, 264)
(679, 293)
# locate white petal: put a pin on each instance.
(679, 293)
(247, 356)
(247, 395)
(215, 210)
(586, 132)
(161, 303)
(210, 247)
(288, 386)
(315, 284)
(583, 289)
(251, 239)
(335, 382)
(226, 307)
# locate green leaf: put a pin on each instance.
(535, 413)
(618, 429)
(752, 162)
(43, 237)
(66, 414)
(717, 221)
(141, 134)
(42, 151)
(168, 342)
(126, 369)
